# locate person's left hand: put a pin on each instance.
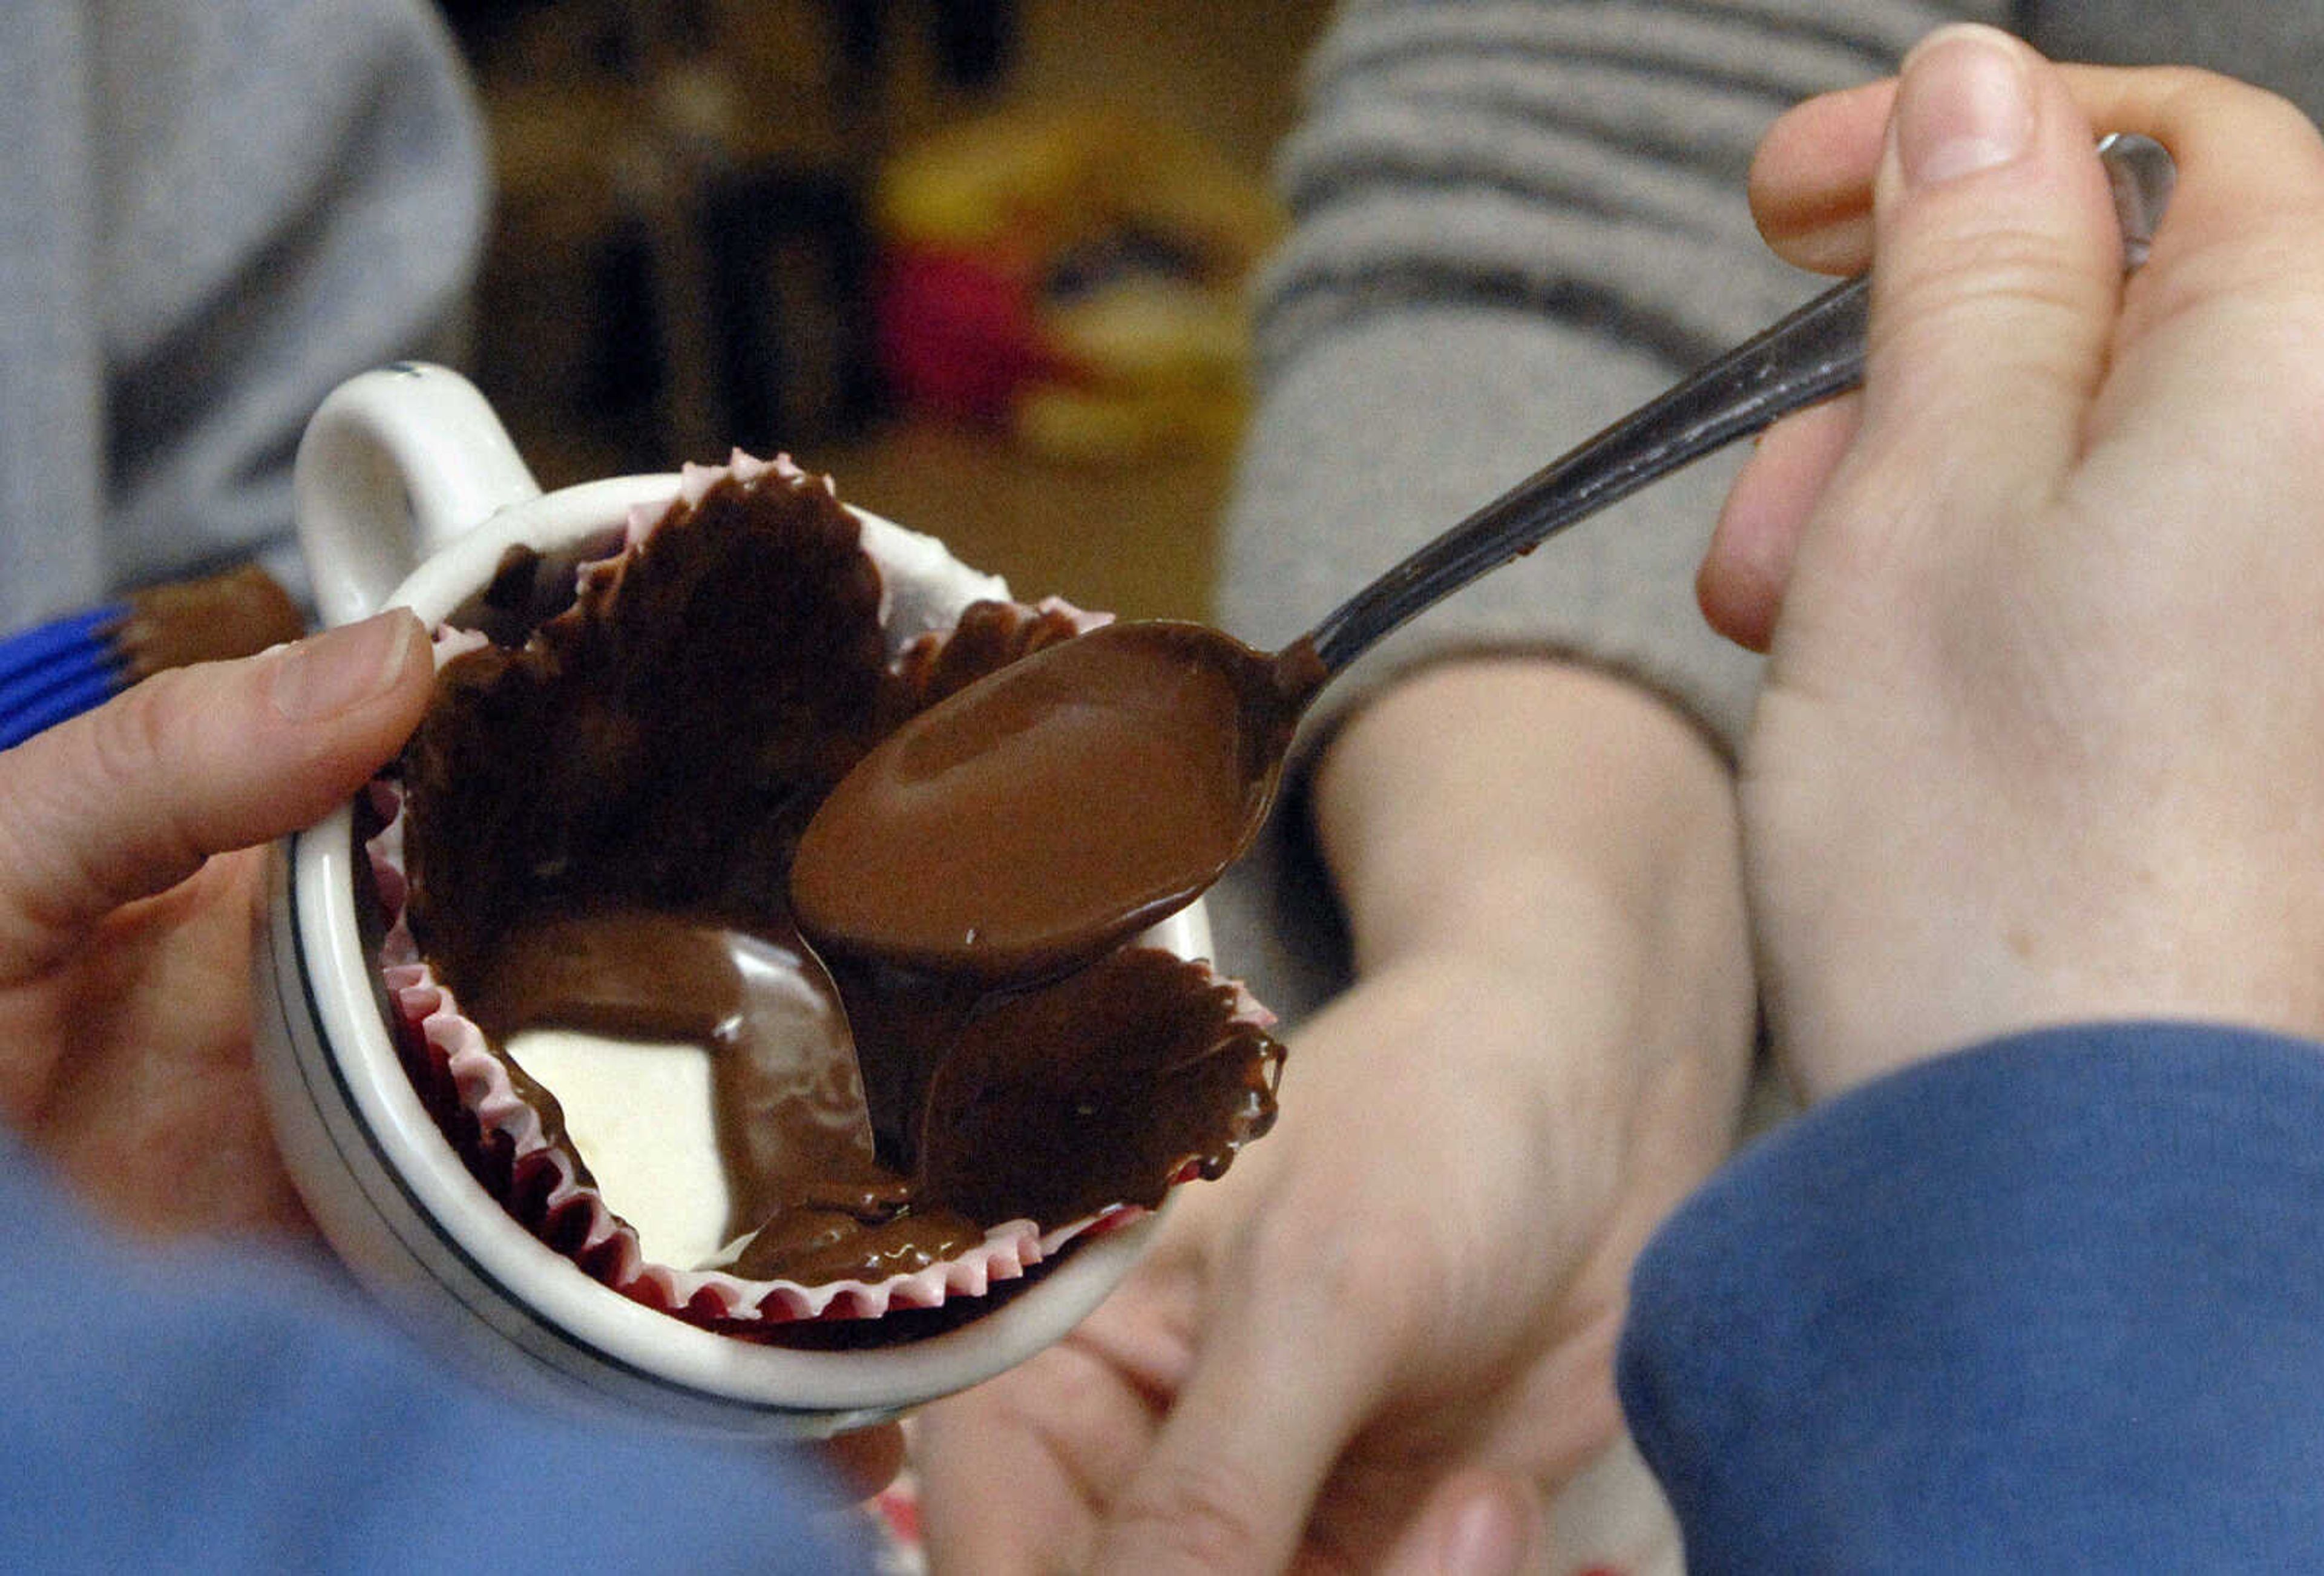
(131, 850)
(131, 845)
(1383, 1338)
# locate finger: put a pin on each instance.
(1740, 583)
(1013, 1474)
(1272, 1400)
(2249, 197)
(865, 1460)
(1475, 1524)
(128, 799)
(2000, 265)
(1811, 182)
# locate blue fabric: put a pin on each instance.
(223, 1411)
(2055, 1302)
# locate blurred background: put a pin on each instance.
(982, 259)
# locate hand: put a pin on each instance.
(131, 849)
(1385, 1335)
(2044, 731)
(128, 890)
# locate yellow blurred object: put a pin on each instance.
(1078, 276)
(1164, 364)
(1040, 178)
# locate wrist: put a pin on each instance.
(1510, 803)
(2125, 917)
(1552, 855)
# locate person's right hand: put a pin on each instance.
(2043, 737)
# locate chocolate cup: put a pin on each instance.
(394, 1198)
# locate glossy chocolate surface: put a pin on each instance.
(1035, 820)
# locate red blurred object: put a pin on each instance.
(959, 332)
(1071, 277)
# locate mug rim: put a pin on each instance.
(454, 571)
(374, 1131)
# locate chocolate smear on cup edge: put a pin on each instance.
(596, 819)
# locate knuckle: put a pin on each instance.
(1199, 1514)
(1998, 269)
(127, 738)
(125, 753)
(1323, 1261)
(2266, 117)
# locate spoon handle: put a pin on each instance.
(1812, 355)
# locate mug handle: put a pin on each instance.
(396, 463)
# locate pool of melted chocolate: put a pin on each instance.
(602, 808)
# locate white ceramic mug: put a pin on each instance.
(409, 492)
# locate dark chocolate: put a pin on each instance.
(1166, 1084)
(1037, 818)
(528, 587)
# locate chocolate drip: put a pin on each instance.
(812, 1245)
(904, 1024)
(787, 1104)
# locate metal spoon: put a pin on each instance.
(1815, 353)
(1045, 812)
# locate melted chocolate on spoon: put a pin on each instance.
(1039, 817)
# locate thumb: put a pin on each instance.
(1999, 267)
(128, 800)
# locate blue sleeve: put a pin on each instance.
(2053, 1302)
(224, 1411)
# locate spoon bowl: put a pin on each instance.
(1167, 736)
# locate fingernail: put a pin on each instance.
(1965, 105)
(1487, 1537)
(327, 674)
